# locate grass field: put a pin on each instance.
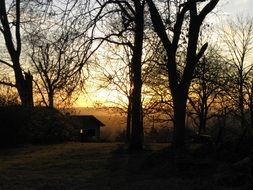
(76, 166)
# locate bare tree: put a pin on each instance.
(57, 58)
(206, 88)
(133, 20)
(115, 77)
(237, 36)
(10, 20)
(157, 106)
(249, 97)
(59, 46)
(179, 85)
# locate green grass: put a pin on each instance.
(92, 166)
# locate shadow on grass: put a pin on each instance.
(195, 167)
(105, 166)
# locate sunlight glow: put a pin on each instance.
(102, 98)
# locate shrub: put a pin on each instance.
(13, 121)
(49, 126)
(20, 125)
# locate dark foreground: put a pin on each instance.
(105, 166)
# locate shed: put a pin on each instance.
(88, 126)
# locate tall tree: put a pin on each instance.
(249, 99)
(116, 77)
(11, 31)
(157, 105)
(206, 88)
(179, 84)
(133, 18)
(136, 64)
(59, 47)
(237, 36)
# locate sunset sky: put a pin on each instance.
(225, 9)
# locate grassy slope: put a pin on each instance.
(91, 166)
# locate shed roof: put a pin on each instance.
(88, 120)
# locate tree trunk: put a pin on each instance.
(50, 98)
(241, 101)
(222, 127)
(136, 142)
(251, 105)
(179, 119)
(242, 113)
(28, 90)
(179, 88)
(202, 121)
(23, 82)
(129, 119)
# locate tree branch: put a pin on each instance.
(18, 38)
(201, 52)
(7, 84)
(114, 42)
(178, 25)
(6, 63)
(207, 9)
(158, 25)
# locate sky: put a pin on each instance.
(234, 7)
(225, 9)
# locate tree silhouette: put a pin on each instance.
(179, 85)
(59, 47)
(237, 36)
(206, 88)
(132, 18)
(115, 76)
(12, 36)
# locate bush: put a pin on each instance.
(20, 125)
(231, 139)
(49, 126)
(13, 121)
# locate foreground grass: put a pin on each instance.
(74, 166)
